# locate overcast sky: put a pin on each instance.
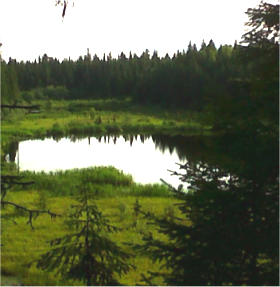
(29, 28)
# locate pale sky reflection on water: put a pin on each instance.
(145, 162)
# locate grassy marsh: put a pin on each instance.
(105, 182)
(60, 118)
(116, 198)
(115, 191)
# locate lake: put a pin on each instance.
(146, 158)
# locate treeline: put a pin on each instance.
(9, 90)
(9, 83)
(184, 80)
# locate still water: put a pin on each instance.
(146, 158)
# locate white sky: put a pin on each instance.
(29, 28)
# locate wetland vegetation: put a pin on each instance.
(217, 109)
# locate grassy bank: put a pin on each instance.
(116, 196)
(81, 117)
(115, 192)
(105, 182)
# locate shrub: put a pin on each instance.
(92, 113)
(113, 128)
(122, 209)
(42, 200)
(28, 96)
(56, 93)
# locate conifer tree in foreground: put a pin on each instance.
(87, 255)
(230, 233)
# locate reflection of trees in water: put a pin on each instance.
(127, 138)
(188, 148)
(235, 220)
(11, 151)
(185, 147)
(192, 148)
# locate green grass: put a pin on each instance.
(81, 117)
(22, 245)
(116, 192)
(105, 182)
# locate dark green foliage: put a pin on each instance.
(169, 213)
(9, 90)
(27, 96)
(55, 93)
(136, 207)
(233, 202)
(9, 83)
(49, 92)
(233, 238)
(4, 81)
(262, 54)
(177, 82)
(87, 255)
(8, 182)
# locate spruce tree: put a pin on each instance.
(87, 254)
(4, 83)
(229, 230)
(14, 89)
(261, 52)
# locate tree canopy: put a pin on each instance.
(230, 235)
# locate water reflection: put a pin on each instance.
(146, 157)
(11, 153)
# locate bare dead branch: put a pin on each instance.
(20, 107)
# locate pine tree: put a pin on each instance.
(10, 88)
(190, 47)
(228, 231)
(261, 52)
(4, 83)
(87, 255)
(203, 45)
(230, 235)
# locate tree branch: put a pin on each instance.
(32, 213)
(20, 107)
(7, 218)
(19, 183)
(10, 179)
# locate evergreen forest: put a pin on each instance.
(217, 107)
(184, 80)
